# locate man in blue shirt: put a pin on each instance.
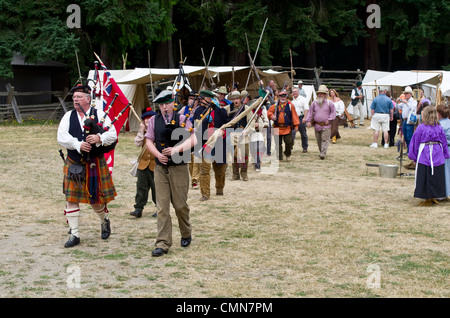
(382, 111)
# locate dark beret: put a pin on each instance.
(81, 88)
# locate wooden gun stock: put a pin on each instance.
(349, 117)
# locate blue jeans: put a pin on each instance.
(408, 131)
(302, 131)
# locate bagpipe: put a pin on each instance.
(91, 127)
(188, 113)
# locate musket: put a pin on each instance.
(219, 132)
(206, 66)
(232, 77)
(256, 111)
(349, 117)
(284, 85)
(292, 69)
(257, 48)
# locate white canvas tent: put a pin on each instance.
(396, 82)
(133, 82)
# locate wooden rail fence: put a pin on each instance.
(11, 108)
(342, 80)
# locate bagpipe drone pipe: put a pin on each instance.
(93, 128)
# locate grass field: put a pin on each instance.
(331, 228)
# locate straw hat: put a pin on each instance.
(235, 95)
(407, 90)
(222, 90)
(322, 89)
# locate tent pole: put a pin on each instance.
(150, 71)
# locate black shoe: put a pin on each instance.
(106, 229)
(155, 215)
(159, 252)
(73, 240)
(136, 213)
(185, 242)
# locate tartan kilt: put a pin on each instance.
(98, 188)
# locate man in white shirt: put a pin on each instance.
(301, 90)
(407, 105)
(301, 107)
(86, 175)
(357, 102)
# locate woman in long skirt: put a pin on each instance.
(340, 119)
(429, 149)
(443, 114)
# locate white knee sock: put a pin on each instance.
(102, 212)
(72, 216)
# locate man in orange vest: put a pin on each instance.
(285, 119)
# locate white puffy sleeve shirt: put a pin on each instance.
(66, 140)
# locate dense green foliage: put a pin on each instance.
(329, 33)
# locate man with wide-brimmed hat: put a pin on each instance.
(286, 122)
(208, 117)
(145, 169)
(322, 112)
(86, 175)
(408, 106)
(222, 93)
(301, 90)
(240, 138)
(357, 97)
(171, 172)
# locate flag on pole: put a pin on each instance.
(108, 89)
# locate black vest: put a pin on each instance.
(163, 136)
(78, 132)
(287, 113)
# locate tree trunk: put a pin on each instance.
(372, 51)
(164, 55)
(423, 62)
(237, 58)
(389, 66)
(104, 56)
